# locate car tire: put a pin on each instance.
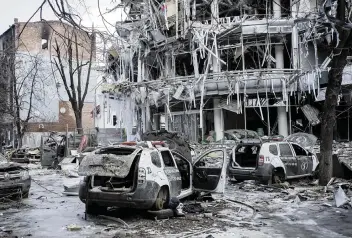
(161, 214)
(277, 176)
(175, 141)
(94, 209)
(162, 199)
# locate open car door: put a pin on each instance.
(209, 171)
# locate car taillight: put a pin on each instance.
(141, 175)
(261, 160)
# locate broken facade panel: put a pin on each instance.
(177, 57)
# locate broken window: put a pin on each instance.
(273, 149)
(45, 35)
(213, 159)
(114, 120)
(167, 158)
(155, 159)
(299, 150)
(285, 150)
(115, 151)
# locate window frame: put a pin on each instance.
(277, 150)
(284, 144)
(293, 147)
(171, 157)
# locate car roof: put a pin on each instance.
(239, 130)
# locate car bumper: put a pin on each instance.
(9, 188)
(20, 160)
(143, 197)
(241, 174)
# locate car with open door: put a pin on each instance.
(284, 160)
(145, 175)
(272, 161)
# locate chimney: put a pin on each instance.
(15, 20)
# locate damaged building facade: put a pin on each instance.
(28, 55)
(201, 66)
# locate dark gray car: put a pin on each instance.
(14, 179)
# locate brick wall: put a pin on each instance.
(31, 38)
(66, 119)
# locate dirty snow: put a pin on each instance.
(49, 213)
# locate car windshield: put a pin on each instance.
(3, 159)
(243, 135)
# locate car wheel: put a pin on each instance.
(162, 199)
(94, 209)
(277, 177)
(162, 214)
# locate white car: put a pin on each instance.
(145, 175)
(274, 160)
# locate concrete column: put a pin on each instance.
(277, 8)
(281, 111)
(218, 122)
(282, 121)
(148, 123)
(156, 119)
(279, 56)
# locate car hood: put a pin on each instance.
(303, 139)
(10, 165)
(106, 165)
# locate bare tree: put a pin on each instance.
(69, 54)
(341, 22)
(19, 77)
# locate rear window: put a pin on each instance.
(116, 151)
(285, 150)
(167, 158)
(273, 150)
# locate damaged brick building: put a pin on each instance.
(200, 66)
(28, 48)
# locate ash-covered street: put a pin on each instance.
(278, 213)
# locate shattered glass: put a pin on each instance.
(303, 139)
(3, 159)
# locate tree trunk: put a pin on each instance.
(18, 133)
(329, 115)
(79, 123)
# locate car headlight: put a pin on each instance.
(24, 175)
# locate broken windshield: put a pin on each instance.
(241, 134)
(116, 151)
(3, 159)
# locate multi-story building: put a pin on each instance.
(29, 49)
(201, 66)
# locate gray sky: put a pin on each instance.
(23, 9)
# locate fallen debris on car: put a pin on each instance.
(14, 179)
(146, 175)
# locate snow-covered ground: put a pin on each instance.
(277, 213)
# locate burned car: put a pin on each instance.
(14, 179)
(274, 161)
(146, 175)
(238, 135)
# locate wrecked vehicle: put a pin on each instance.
(238, 135)
(146, 175)
(274, 161)
(14, 179)
(25, 155)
